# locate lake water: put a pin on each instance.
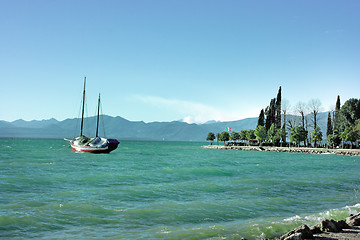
(168, 190)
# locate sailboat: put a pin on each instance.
(92, 145)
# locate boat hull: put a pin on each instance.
(112, 145)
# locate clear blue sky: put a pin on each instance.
(164, 60)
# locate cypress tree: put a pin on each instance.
(278, 110)
(329, 129)
(273, 111)
(270, 114)
(337, 114)
(261, 119)
(337, 106)
(267, 119)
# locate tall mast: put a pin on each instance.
(97, 122)
(83, 109)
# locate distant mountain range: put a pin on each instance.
(120, 128)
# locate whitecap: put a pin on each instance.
(212, 227)
(314, 218)
(121, 210)
(290, 219)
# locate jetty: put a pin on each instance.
(328, 229)
(337, 151)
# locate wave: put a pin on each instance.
(336, 214)
(277, 228)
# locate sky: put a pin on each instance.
(167, 60)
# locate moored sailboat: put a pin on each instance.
(96, 144)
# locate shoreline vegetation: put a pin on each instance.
(277, 128)
(338, 151)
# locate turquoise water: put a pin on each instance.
(167, 190)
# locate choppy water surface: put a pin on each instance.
(167, 190)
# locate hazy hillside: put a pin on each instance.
(118, 127)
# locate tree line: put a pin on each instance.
(276, 125)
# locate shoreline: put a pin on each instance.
(342, 152)
(327, 229)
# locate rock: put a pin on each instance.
(342, 224)
(330, 226)
(299, 233)
(295, 236)
(316, 229)
(353, 220)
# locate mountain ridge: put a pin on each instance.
(121, 128)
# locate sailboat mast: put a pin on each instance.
(83, 109)
(97, 122)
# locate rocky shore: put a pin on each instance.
(327, 229)
(345, 152)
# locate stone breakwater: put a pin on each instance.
(327, 229)
(345, 152)
(348, 229)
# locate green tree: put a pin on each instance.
(234, 136)
(334, 139)
(275, 136)
(243, 135)
(281, 134)
(224, 136)
(329, 129)
(284, 108)
(270, 113)
(317, 135)
(349, 113)
(350, 134)
(250, 134)
(260, 133)
(261, 119)
(278, 110)
(357, 128)
(337, 114)
(210, 137)
(357, 125)
(271, 133)
(298, 134)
